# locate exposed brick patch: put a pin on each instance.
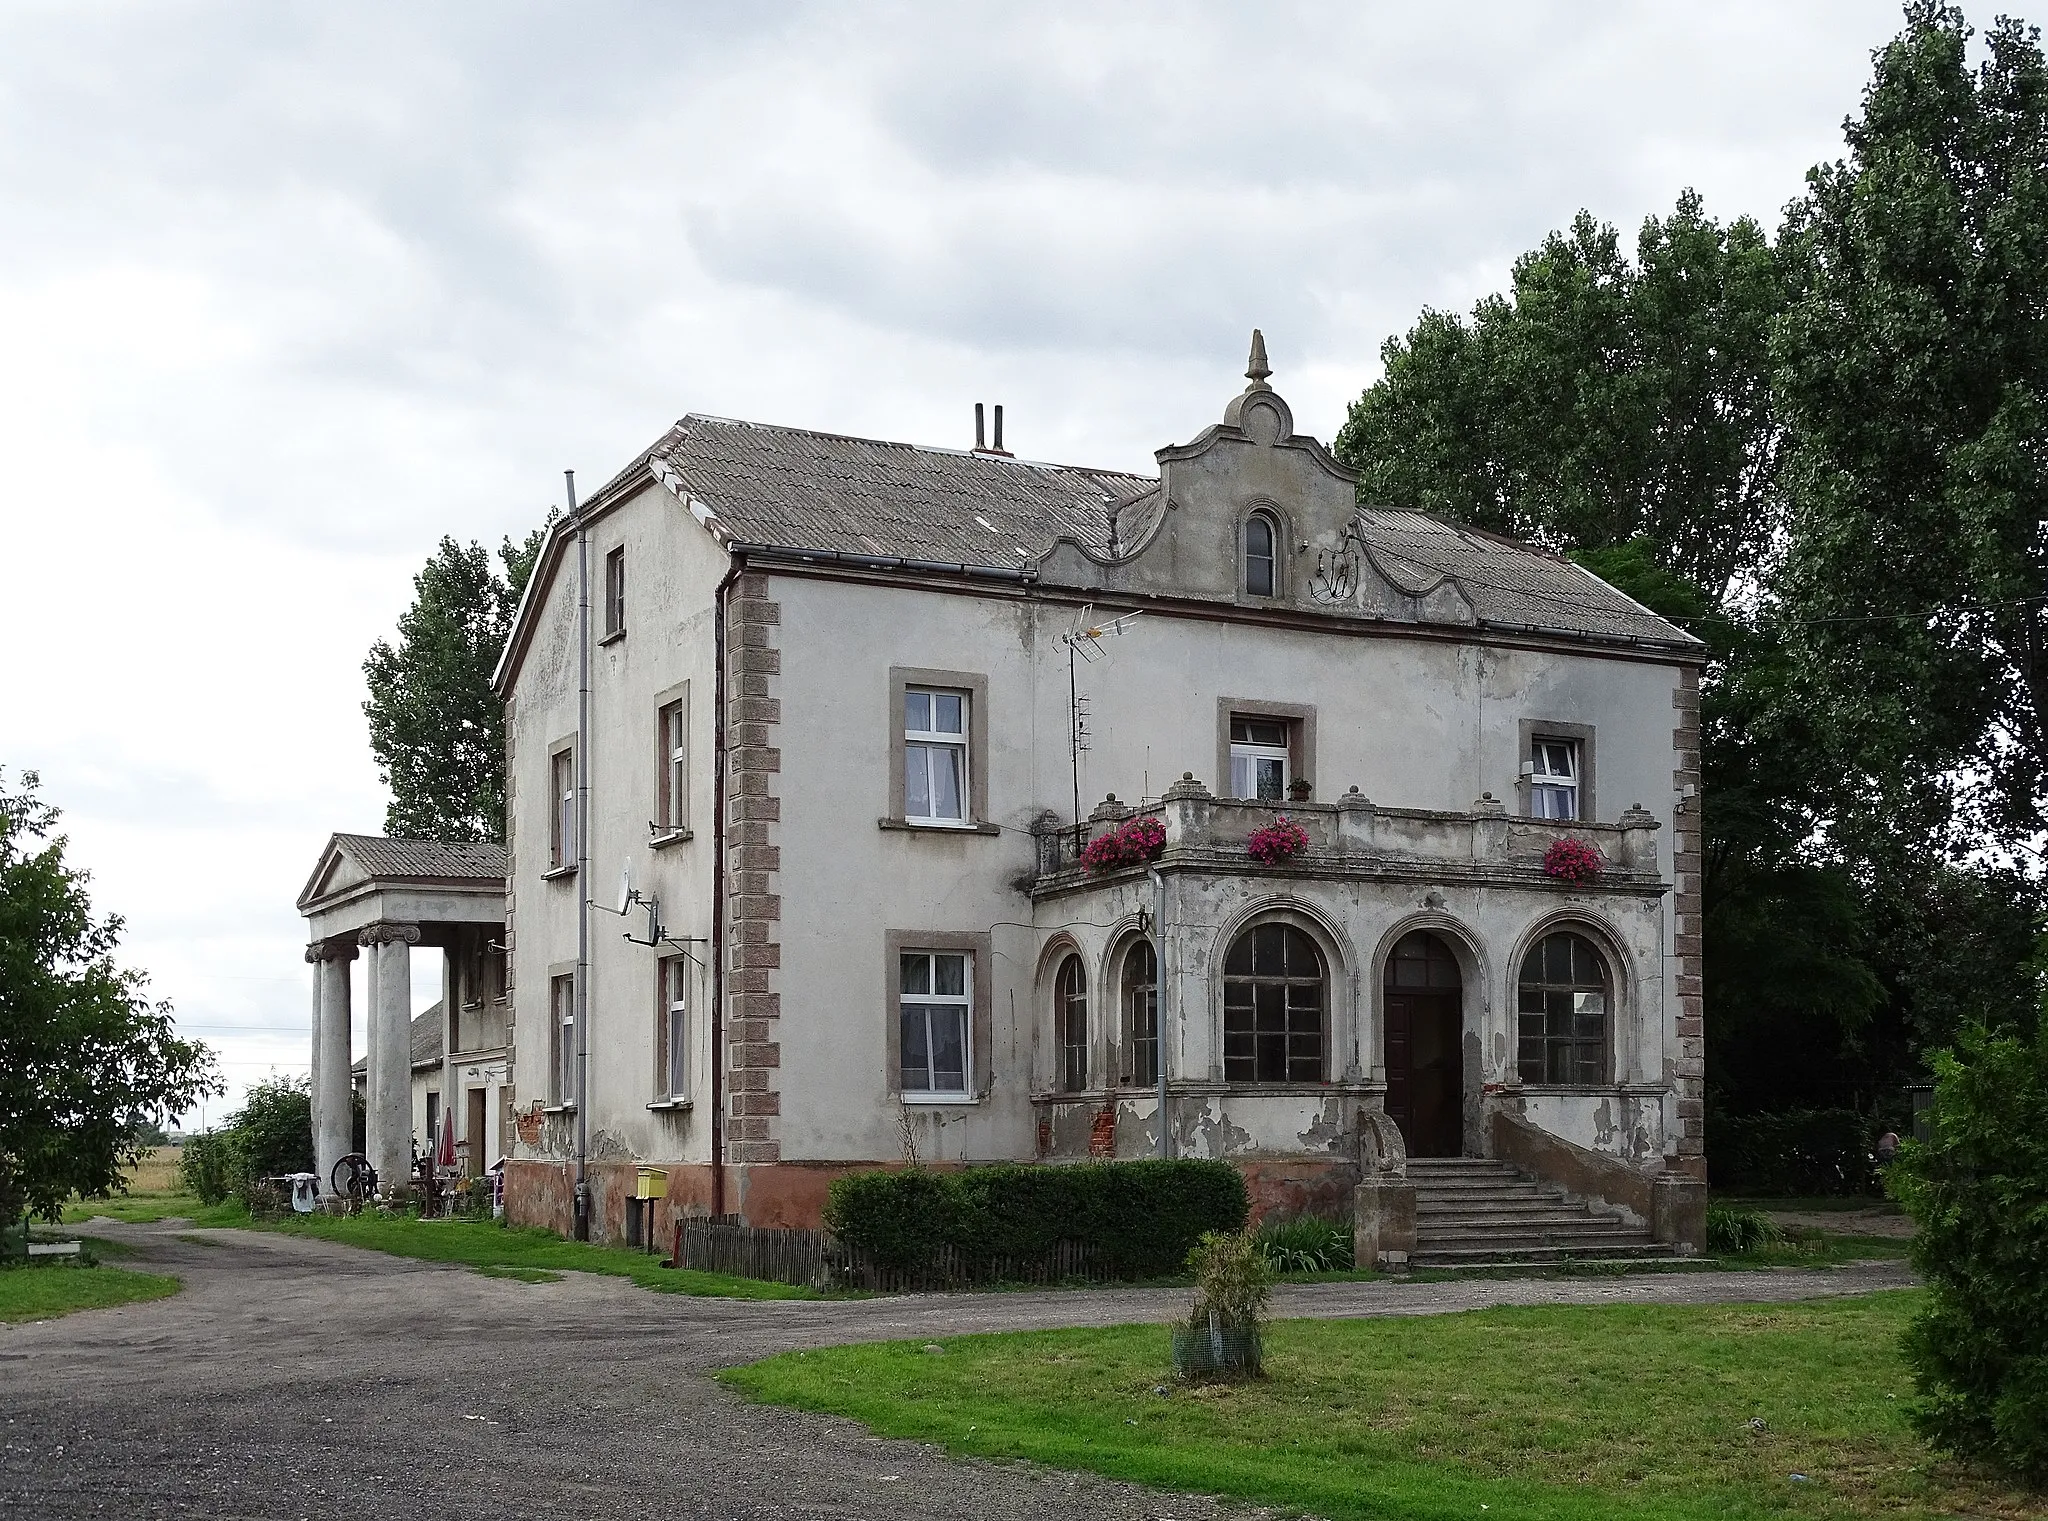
(753, 949)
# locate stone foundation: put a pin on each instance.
(791, 1195)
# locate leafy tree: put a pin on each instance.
(87, 1064)
(1912, 366)
(436, 727)
(1978, 1193)
(1598, 401)
(269, 1136)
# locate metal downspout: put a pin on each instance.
(718, 721)
(582, 988)
(1159, 1002)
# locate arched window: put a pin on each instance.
(1141, 1014)
(1562, 1008)
(1273, 1007)
(1261, 566)
(1070, 1003)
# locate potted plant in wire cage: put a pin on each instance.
(1220, 1337)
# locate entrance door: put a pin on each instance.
(1425, 1017)
(475, 1160)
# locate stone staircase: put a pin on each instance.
(1470, 1212)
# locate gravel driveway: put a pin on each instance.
(297, 1378)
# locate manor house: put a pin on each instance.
(855, 710)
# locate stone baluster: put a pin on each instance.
(1638, 838)
(1355, 823)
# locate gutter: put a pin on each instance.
(883, 562)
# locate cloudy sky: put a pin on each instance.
(288, 291)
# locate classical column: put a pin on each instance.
(390, 1108)
(333, 1100)
(315, 1095)
(451, 1030)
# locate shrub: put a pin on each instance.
(208, 1165)
(271, 1134)
(1740, 1230)
(1138, 1219)
(1232, 1283)
(1280, 841)
(1306, 1244)
(1803, 1151)
(1131, 843)
(1978, 1192)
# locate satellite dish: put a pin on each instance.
(626, 886)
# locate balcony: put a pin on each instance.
(1355, 838)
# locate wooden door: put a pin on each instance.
(1424, 1015)
(474, 1160)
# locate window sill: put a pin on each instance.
(613, 637)
(1585, 1090)
(669, 1105)
(556, 873)
(558, 1109)
(667, 838)
(920, 826)
(935, 1100)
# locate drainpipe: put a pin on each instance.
(582, 989)
(718, 703)
(1159, 1001)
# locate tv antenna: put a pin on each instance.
(1084, 642)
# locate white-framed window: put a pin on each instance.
(562, 828)
(674, 1032)
(935, 995)
(615, 592)
(1554, 778)
(935, 758)
(1261, 560)
(562, 1077)
(673, 721)
(1258, 757)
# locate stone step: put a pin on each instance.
(1502, 1256)
(1493, 1241)
(1479, 1198)
(1522, 1220)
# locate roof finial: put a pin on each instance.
(1257, 371)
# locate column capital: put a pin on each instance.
(331, 950)
(386, 934)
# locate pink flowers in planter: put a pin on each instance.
(1279, 842)
(1131, 843)
(1573, 861)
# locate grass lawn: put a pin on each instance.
(43, 1292)
(1580, 1412)
(522, 1251)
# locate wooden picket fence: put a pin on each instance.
(813, 1259)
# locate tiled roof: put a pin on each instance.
(381, 857)
(1509, 584)
(426, 1041)
(801, 490)
(794, 489)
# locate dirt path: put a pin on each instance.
(294, 1377)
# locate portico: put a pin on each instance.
(380, 898)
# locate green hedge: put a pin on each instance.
(1802, 1151)
(1139, 1219)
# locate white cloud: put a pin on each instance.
(290, 292)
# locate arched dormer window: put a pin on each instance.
(1261, 557)
(1070, 1005)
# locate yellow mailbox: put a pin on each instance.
(650, 1183)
